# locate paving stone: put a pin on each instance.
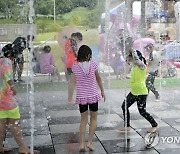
(73, 148)
(172, 121)
(65, 128)
(57, 124)
(117, 146)
(148, 151)
(69, 138)
(42, 150)
(115, 135)
(39, 140)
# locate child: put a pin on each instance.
(153, 64)
(119, 65)
(85, 74)
(139, 91)
(47, 63)
(71, 48)
(9, 110)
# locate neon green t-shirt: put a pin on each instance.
(137, 81)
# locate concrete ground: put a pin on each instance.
(56, 124)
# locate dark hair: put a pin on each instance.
(79, 36)
(73, 35)
(30, 37)
(8, 51)
(141, 56)
(47, 49)
(149, 46)
(83, 53)
(19, 45)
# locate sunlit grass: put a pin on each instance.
(114, 84)
(45, 36)
(167, 82)
(163, 82)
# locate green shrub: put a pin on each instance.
(41, 26)
(7, 21)
(47, 25)
(94, 18)
(76, 17)
(55, 27)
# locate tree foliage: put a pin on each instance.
(71, 12)
(91, 4)
(64, 6)
(43, 7)
(11, 8)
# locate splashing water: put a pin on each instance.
(30, 77)
(107, 4)
(177, 15)
(109, 124)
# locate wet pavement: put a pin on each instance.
(57, 124)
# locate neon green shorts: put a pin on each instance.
(11, 114)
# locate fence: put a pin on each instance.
(173, 51)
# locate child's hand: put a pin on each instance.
(103, 95)
(13, 90)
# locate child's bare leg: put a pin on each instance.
(58, 74)
(93, 122)
(14, 71)
(17, 134)
(84, 120)
(3, 128)
(121, 75)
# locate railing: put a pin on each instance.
(173, 51)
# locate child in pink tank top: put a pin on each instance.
(85, 75)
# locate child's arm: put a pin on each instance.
(71, 87)
(52, 60)
(74, 47)
(137, 61)
(11, 84)
(99, 81)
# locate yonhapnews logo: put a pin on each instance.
(152, 139)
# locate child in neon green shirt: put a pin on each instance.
(139, 91)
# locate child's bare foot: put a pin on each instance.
(90, 147)
(152, 130)
(26, 150)
(123, 129)
(4, 149)
(82, 148)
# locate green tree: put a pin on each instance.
(10, 8)
(44, 7)
(64, 6)
(94, 17)
(91, 4)
(13, 8)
